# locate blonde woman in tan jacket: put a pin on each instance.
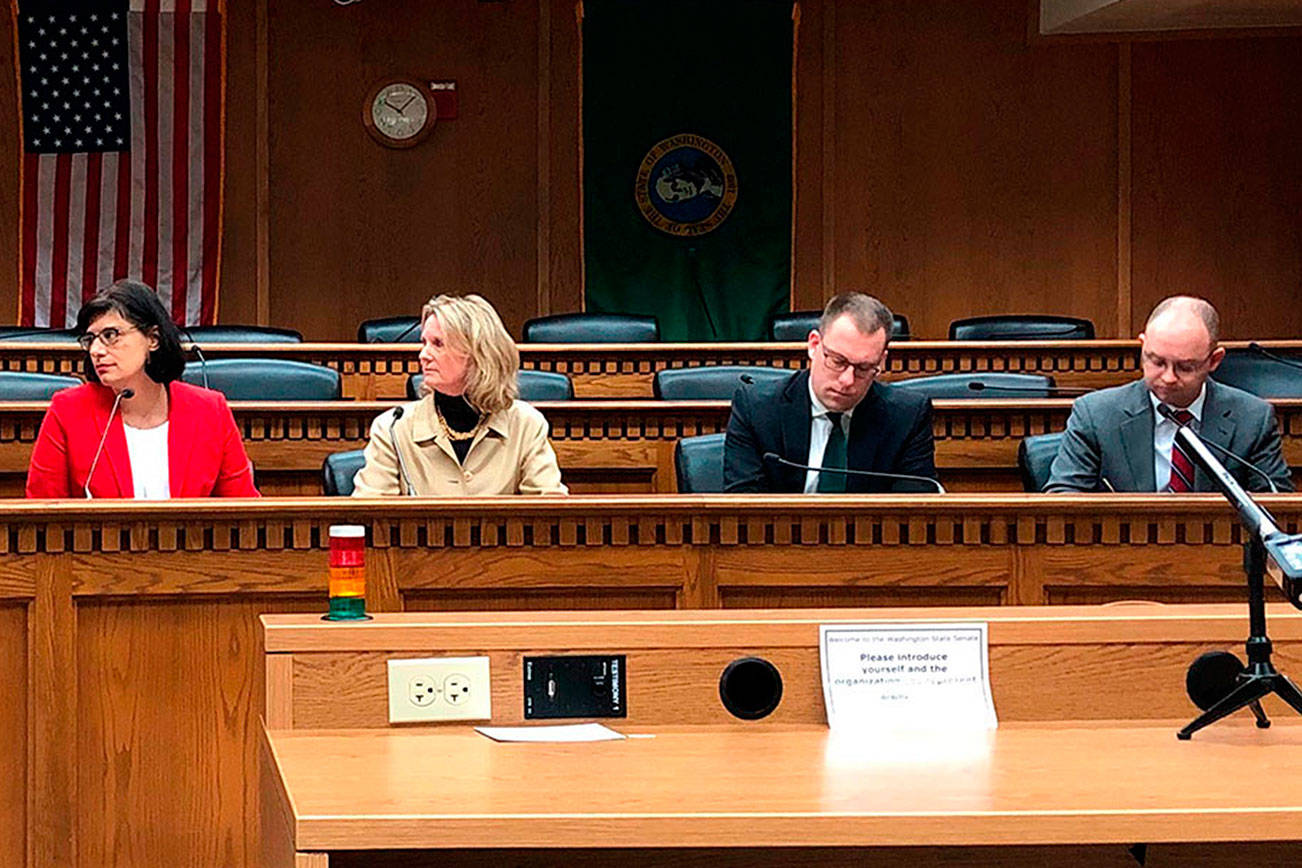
(469, 434)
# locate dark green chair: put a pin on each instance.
(1263, 377)
(534, 386)
(1021, 327)
(1035, 456)
(38, 335)
(592, 328)
(947, 386)
(711, 383)
(27, 386)
(338, 471)
(390, 330)
(796, 326)
(698, 464)
(241, 334)
(266, 379)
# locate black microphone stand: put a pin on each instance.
(1259, 678)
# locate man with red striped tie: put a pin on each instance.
(1117, 439)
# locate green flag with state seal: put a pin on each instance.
(687, 194)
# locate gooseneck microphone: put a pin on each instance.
(849, 471)
(1274, 357)
(203, 363)
(1166, 412)
(404, 480)
(978, 386)
(125, 393)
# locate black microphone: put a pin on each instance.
(203, 363)
(403, 477)
(849, 471)
(125, 393)
(1166, 412)
(1262, 351)
(978, 386)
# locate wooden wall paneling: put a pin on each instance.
(168, 708)
(1217, 182)
(974, 174)
(807, 171)
(244, 250)
(52, 669)
(560, 31)
(1125, 316)
(358, 230)
(14, 734)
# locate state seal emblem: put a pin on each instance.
(686, 185)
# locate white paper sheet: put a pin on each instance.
(567, 732)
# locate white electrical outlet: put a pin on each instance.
(439, 688)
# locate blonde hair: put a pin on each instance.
(473, 327)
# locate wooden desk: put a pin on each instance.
(605, 446)
(751, 792)
(129, 635)
(1085, 760)
(380, 371)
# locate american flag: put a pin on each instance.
(122, 107)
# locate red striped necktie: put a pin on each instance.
(1182, 471)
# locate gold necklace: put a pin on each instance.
(457, 435)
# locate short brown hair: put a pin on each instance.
(867, 313)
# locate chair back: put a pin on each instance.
(533, 385)
(796, 326)
(958, 386)
(698, 464)
(28, 386)
(38, 336)
(390, 330)
(1263, 377)
(1021, 327)
(266, 379)
(1035, 456)
(338, 471)
(241, 334)
(712, 383)
(592, 328)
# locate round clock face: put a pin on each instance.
(400, 112)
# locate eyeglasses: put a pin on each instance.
(1182, 368)
(108, 337)
(837, 363)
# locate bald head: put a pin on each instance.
(1186, 311)
(1179, 348)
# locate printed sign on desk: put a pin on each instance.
(906, 675)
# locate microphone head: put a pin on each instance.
(128, 393)
(976, 385)
(1166, 412)
(397, 413)
(747, 379)
(1211, 677)
(1255, 347)
(770, 457)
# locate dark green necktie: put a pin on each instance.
(833, 457)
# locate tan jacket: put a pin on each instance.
(511, 455)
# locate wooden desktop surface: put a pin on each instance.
(608, 447)
(380, 371)
(1066, 783)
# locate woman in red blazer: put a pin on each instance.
(136, 430)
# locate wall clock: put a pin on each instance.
(399, 112)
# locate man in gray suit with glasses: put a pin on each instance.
(1118, 440)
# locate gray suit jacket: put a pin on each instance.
(1110, 436)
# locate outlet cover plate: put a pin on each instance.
(419, 689)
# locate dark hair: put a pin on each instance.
(139, 305)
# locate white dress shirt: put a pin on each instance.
(820, 428)
(1164, 436)
(147, 449)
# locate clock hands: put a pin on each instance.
(402, 109)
